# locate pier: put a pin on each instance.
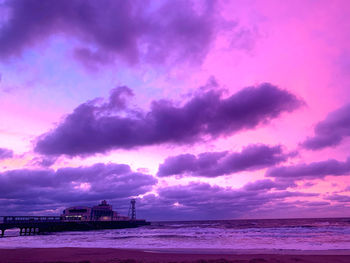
(77, 218)
(31, 225)
(28, 224)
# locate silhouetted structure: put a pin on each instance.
(74, 218)
(132, 210)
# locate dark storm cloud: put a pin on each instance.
(43, 161)
(128, 29)
(265, 184)
(46, 192)
(339, 198)
(213, 164)
(203, 201)
(72, 185)
(5, 153)
(287, 176)
(315, 170)
(118, 98)
(318, 203)
(331, 131)
(92, 128)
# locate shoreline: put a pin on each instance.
(100, 255)
(249, 251)
(204, 251)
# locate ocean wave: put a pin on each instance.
(236, 234)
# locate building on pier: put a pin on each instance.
(100, 212)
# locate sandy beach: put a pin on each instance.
(25, 255)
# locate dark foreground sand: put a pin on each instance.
(129, 256)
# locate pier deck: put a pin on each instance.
(38, 224)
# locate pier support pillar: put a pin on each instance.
(2, 232)
(20, 231)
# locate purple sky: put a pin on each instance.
(199, 109)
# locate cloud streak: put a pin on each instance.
(331, 131)
(314, 170)
(213, 164)
(92, 128)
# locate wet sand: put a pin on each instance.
(129, 256)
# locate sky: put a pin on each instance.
(198, 109)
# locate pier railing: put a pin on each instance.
(28, 219)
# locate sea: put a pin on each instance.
(275, 234)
